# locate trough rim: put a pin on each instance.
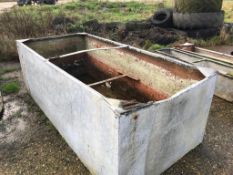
(201, 58)
(120, 112)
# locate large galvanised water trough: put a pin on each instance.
(121, 109)
(222, 63)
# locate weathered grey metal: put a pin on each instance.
(210, 54)
(222, 63)
(115, 136)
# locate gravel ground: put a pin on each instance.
(29, 144)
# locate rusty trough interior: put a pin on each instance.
(116, 72)
(105, 79)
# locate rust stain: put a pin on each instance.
(148, 92)
(135, 116)
(175, 69)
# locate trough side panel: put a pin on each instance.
(214, 55)
(81, 115)
(22, 63)
(224, 88)
(154, 138)
(131, 64)
(52, 47)
(185, 57)
(224, 85)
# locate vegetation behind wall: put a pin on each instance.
(197, 6)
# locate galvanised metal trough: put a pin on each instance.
(222, 63)
(121, 109)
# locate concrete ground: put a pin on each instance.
(29, 144)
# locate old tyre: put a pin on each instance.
(198, 20)
(162, 18)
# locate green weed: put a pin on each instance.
(10, 87)
(148, 45)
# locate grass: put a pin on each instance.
(4, 71)
(228, 8)
(107, 11)
(148, 45)
(44, 20)
(222, 39)
(197, 6)
(10, 87)
(230, 74)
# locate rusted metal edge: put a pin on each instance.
(219, 62)
(129, 109)
(53, 37)
(154, 54)
(200, 60)
(193, 54)
(206, 58)
(226, 58)
(207, 53)
(173, 57)
(85, 51)
(136, 106)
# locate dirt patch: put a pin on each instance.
(134, 33)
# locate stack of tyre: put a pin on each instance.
(198, 14)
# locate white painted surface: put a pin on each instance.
(109, 140)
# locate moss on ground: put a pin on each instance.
(198, 6)
(230, 74)
(10, 87)
(148, 45)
